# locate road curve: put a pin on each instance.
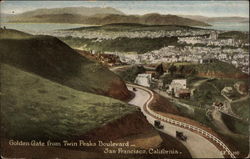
(198, 146)
(119, 67)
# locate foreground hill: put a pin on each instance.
(36, 108)
(100, 16)
(50, 58)
(40, 109)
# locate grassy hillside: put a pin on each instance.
(242, 108)
(13, 34)
(131, 73)
(51, 58)
(219, 69)
(214, 69)
(123, 44)
(236, 125)
(140, 44)
(206, 94)
(210, 91)
(217, 66)
(222, 75)
(36, 108)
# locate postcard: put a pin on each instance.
(124, 79)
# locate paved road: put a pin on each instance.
(115, 68)
(216, 115)
(198, 146)
(241, 99)
(141, 97)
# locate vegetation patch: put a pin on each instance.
(213, 69)
(236, 125)
(52, 59)
(122, 44)
(198, 115)
(132, 27)
(237, 35)
(60, 113)
(131, 73)
(242, 108)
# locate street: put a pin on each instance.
(198, 146)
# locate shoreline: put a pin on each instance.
(78, 25)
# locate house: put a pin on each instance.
(153, 73)
(218, 105)
(143, 79)
(93, 52)
(207, 60)
(160, 84)
(183, 93)
(213, 35)
(227, 90)
(176, 85)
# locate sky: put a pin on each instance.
(203, 8)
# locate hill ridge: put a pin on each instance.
(104, 17)
(50, 58)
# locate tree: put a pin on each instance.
(181, 69)
(159, 69)
(172, 69)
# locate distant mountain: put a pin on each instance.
(4, 17)
(100, 16)
(195, 17)
(158, 19)
(228, 19)
(217, 19)
(247, 21)
(84, 11)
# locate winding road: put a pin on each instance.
(115, 68)
(198, 146)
